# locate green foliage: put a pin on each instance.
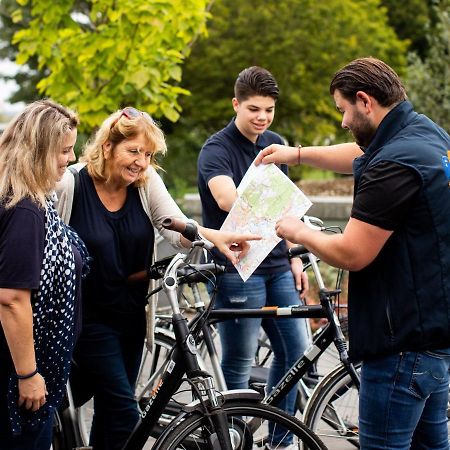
(429, 79)
(29, 77)
(104, 54)
(302, 42)
(411, 21)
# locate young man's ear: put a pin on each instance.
(235, 103)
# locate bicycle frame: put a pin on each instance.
(183, 361)
(330, 334)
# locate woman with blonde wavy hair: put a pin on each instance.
(114, 199)
(38, 274)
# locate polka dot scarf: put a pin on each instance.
(53, 324)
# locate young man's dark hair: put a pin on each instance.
(255, 81)
(372, 76)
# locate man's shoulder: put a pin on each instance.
(219, 145)
(220, 138)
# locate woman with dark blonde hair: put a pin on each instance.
(38, 274)
(114, 199)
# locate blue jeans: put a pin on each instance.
(40, 439)
(239, 337)
(403, 401)
(109, 358)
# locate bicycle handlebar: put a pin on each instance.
(186, 229)
(194, 273)
(300, 250)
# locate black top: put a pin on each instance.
(230, 153)
(22, 242)
(386, 192)
(120, 243)
(22, 232)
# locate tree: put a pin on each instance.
(429, 80)
(302, 42)
(411, 22)
(103, 54)
(29, 76)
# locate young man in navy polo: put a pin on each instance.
(222, 163)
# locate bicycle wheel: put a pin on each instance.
(332, 411)
(248, 427)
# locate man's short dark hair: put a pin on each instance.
(255, 81)
(372, 76)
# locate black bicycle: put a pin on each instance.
(329, 405)
(219, 420)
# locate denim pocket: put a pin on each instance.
(438, 354)
(429, 373)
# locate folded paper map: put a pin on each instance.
(265, 195)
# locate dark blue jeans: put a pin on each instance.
(109, 358)
(239, 337)
(403, 402)
(41, 439)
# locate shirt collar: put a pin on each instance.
(396, 119)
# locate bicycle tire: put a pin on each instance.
(195, 431)
(333, 410)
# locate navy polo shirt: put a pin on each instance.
(228, 152)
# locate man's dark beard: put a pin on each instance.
(363, 139)
(363, 131)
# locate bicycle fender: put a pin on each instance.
(248, 395)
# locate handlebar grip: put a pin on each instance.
(187, 229)
(297, 251)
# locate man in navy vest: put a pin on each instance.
(397, 248)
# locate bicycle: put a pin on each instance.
(319, 410)
(230, 420)
(332, 407)
(263, 354)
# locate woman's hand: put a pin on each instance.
(32, 392)
(233, 245)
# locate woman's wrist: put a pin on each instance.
(27, 376)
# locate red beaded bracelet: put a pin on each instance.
(299, 146)
(29, 375)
